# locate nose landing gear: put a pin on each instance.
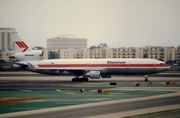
(146, 78)
(80, 79)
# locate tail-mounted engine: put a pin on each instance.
(30, 55)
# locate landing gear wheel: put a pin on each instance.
(86, 79)
(146, 80)
(74, 79)
(80, 79)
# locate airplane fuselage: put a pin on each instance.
(104, 66)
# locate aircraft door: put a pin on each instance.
(88, 65)
(128, 65)
(154, 69)
(154, 65)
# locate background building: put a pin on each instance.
(6, 42)
(103, 52)
(178, 53)
(152, 52)
(67, 48)
(65, 43)
(4, 55)
(83, 53)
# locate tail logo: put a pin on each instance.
(21, 44)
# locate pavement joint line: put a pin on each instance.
(86, 105)
(174, 89)
(138, 112)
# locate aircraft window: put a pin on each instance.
(52, 63)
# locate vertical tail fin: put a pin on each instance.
(20, 45)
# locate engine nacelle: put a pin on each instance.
(30, 55)
(94, 74)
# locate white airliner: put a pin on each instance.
(83, 69)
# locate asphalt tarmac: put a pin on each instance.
(94, 109)
(106, 109)
(64, 83)
(102, 109)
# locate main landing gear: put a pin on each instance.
(82, 79)
(146, 78)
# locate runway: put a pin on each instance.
(96, 109)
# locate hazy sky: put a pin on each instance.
(119, 23)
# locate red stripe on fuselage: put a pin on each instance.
(100, 65)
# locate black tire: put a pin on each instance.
(86, 79)
(74, 79)
(146, 80)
